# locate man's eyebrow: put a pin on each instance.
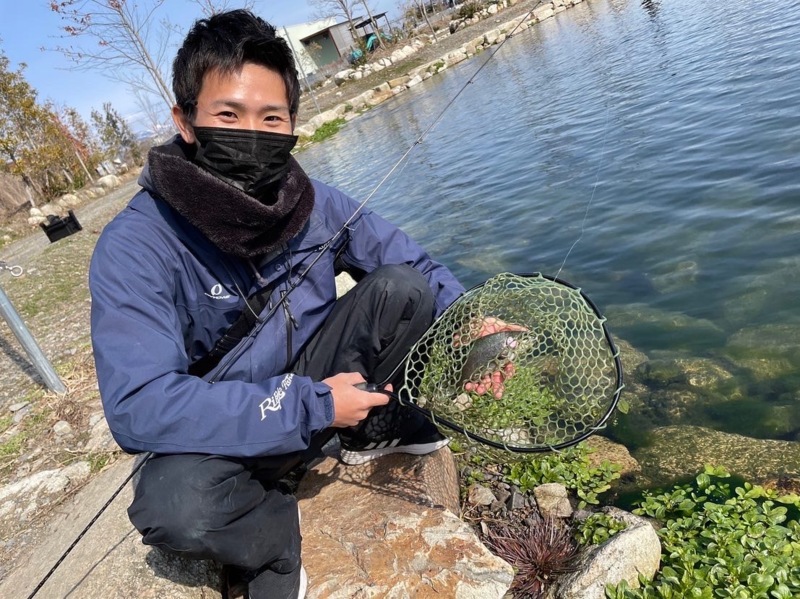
(242, 108)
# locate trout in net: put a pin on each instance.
(549, 381)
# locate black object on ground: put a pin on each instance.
(57, 228)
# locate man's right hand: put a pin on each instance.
(351, 405)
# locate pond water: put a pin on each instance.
(649, 153)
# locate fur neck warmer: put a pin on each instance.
(235, 222)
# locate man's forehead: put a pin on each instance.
(244, 84)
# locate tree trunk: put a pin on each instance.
(374, 24)
(28, 185)
(425, 14)
(83, 166)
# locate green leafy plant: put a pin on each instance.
(5, 423)
(572, 468)
(436, 67)
(722, 540)
(13, 446)
(98, 461)
(327, 130)
(597, 529)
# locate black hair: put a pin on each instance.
(225, 42)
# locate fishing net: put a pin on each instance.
(547, 379)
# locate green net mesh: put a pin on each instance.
(548, 378)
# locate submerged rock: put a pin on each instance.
(667, 329)
(703, 375)
(683, 275)
(763, 294)
(678, 451)
(606, 450)
(768, 351)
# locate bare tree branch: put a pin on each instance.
(120, 39)
(337, 9)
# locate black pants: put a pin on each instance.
(234, 511)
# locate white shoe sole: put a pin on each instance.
(355, 458)
(303, 583)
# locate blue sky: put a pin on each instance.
(26, 26)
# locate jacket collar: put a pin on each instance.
(233, 221)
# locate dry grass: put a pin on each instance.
(12, 194)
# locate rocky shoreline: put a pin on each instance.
(489, 27)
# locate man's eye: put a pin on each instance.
(227, 115)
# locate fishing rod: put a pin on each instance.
(294, 284)
(229, 359)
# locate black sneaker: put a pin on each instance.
(426, 439)
(241, 584)
(271, 585)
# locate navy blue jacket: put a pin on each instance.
(161, 296)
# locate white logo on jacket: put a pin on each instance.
(273, 402)
(218, 293)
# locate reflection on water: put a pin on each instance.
(665, 139)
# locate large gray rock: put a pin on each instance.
(628, 554)
(326, 117)
(109, 182)
(342, 76)
(21, 500)
(306, 130)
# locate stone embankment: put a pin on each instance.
(402, 81)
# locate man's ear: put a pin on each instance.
(184, 126)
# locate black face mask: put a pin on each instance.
(253, 161)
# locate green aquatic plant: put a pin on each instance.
(722, 540)
(327, 130)
(597, 529)
(570, 467)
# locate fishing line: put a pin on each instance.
(591, 198)
(322, 251)
(439, 118)
(403, 159)
(88, 526)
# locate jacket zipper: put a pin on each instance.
(290, 323)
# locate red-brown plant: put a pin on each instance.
(539, 554)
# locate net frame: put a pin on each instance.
(512, 298)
